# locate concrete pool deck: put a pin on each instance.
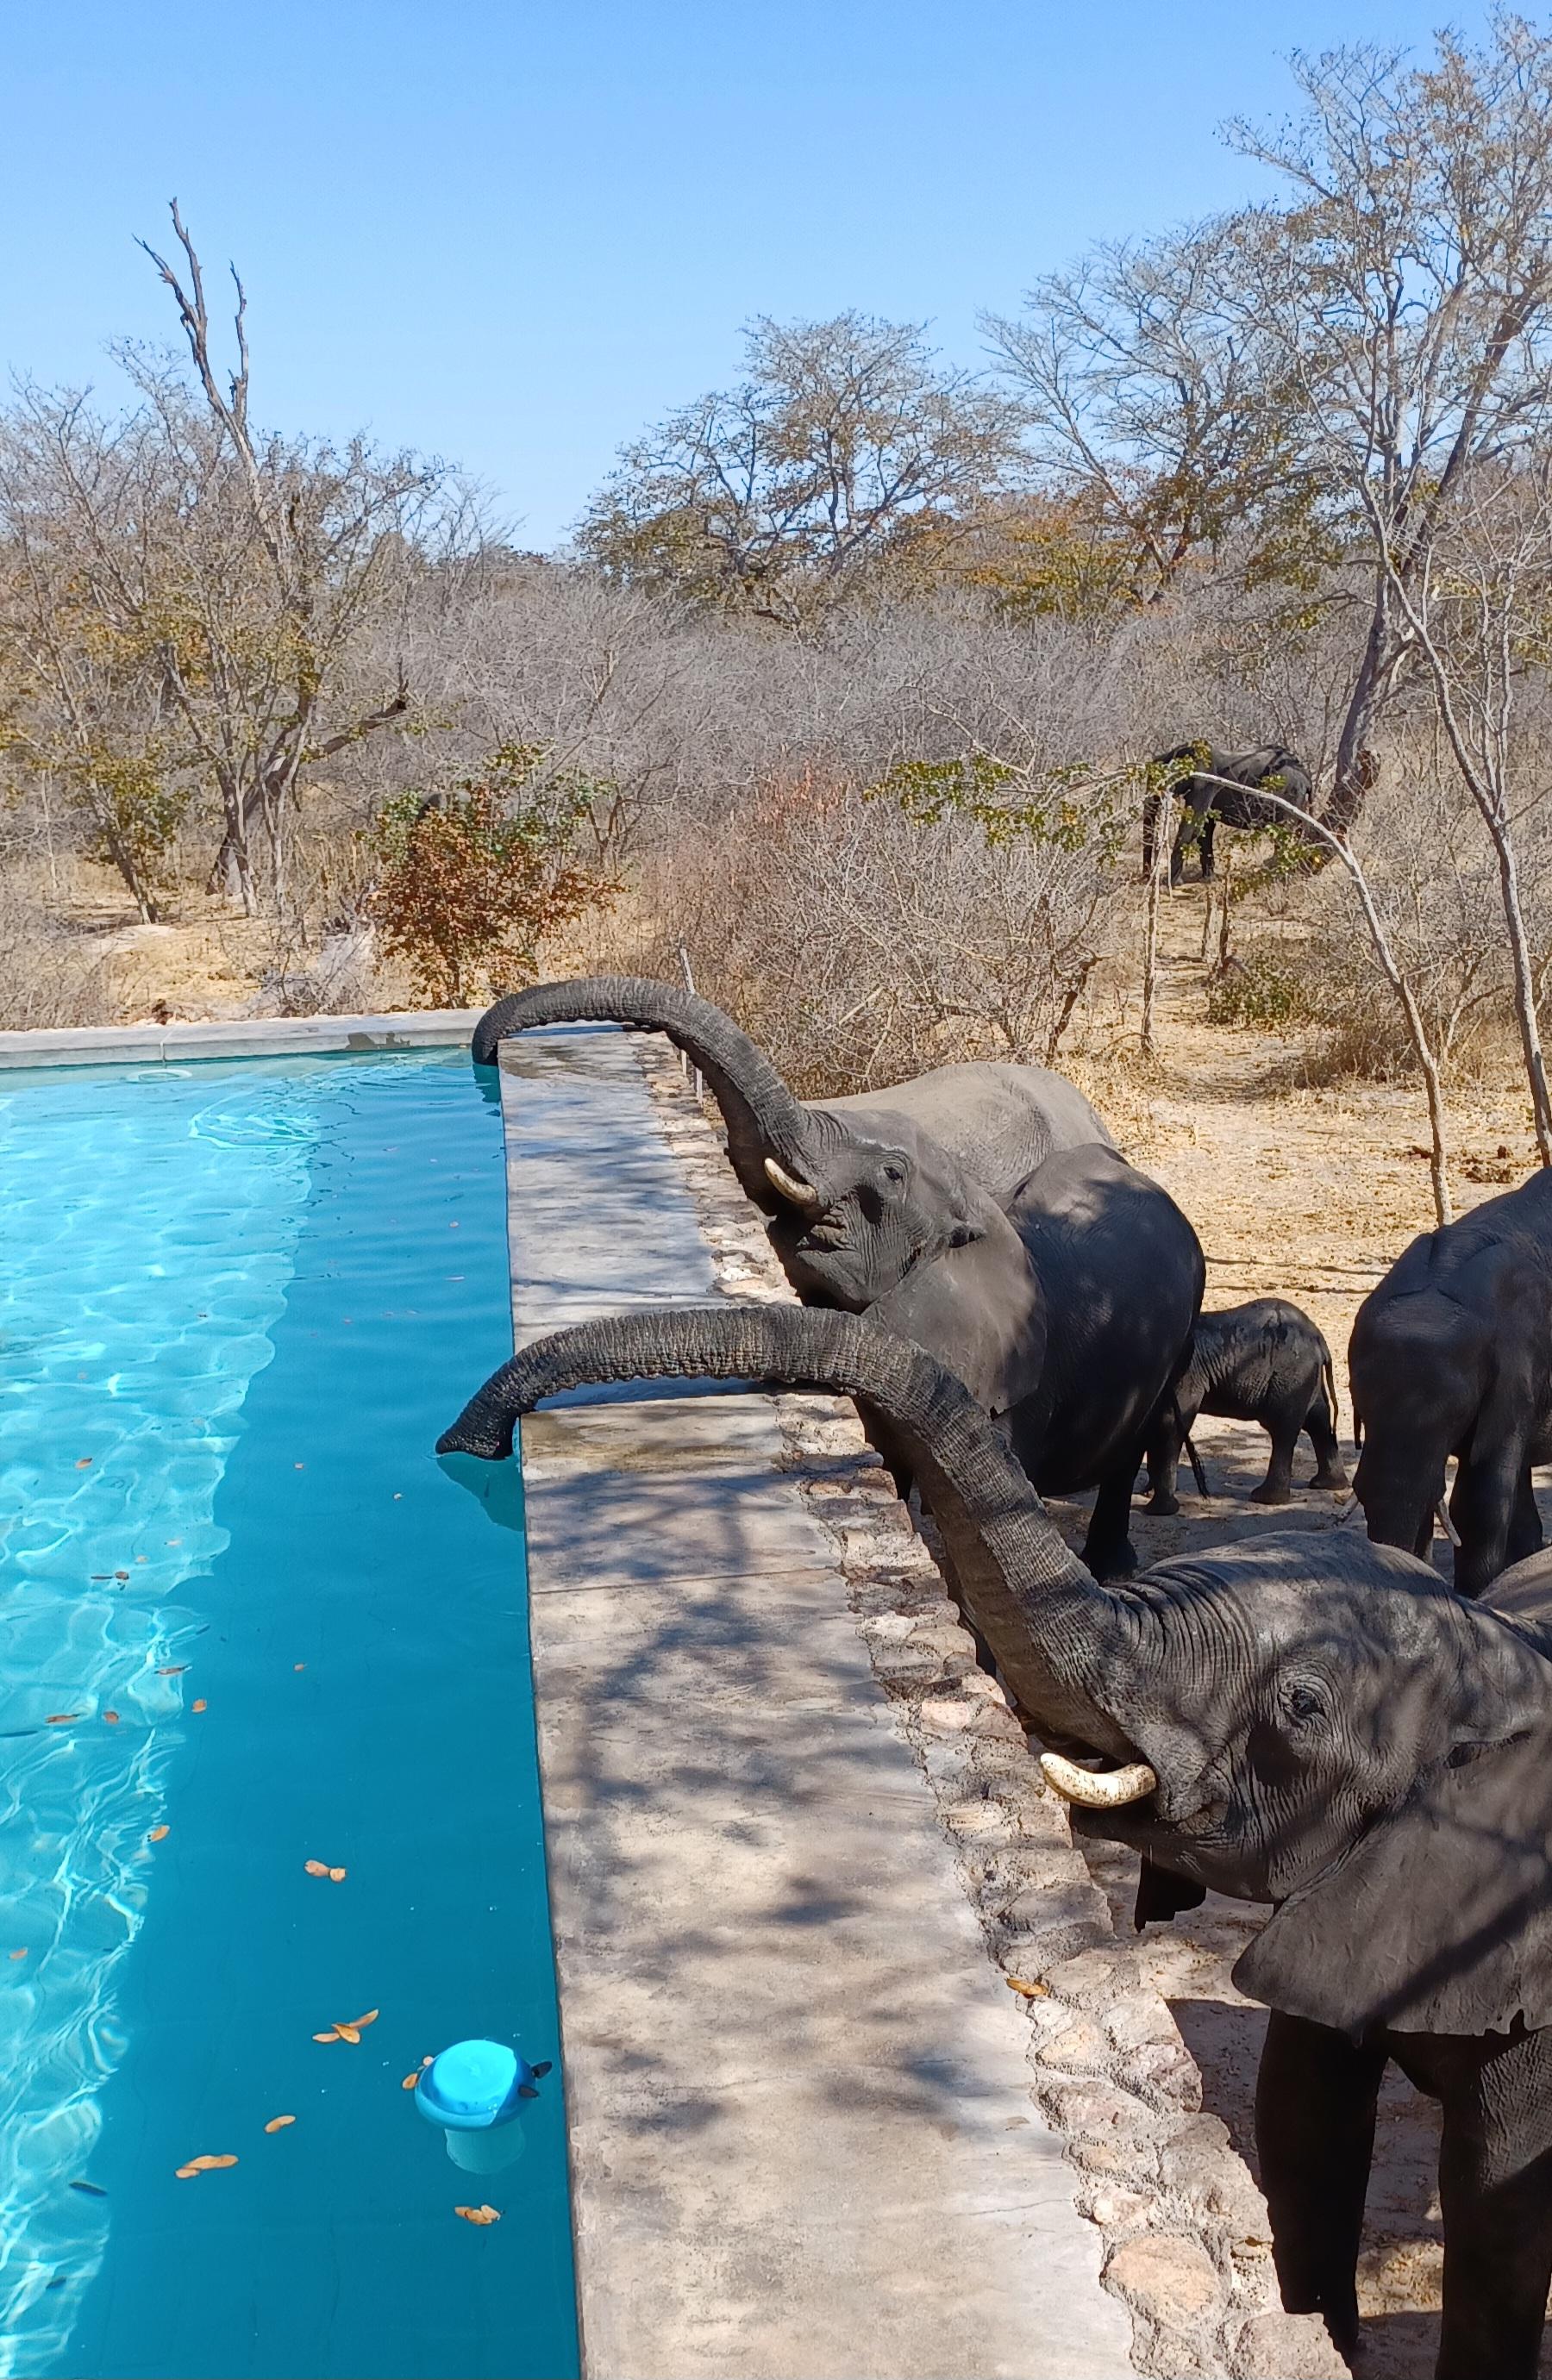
(802, 2138)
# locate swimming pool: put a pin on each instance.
(253, 1624)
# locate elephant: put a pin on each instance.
(1452, 1355)
(1070, 1317)
(1205, 804)
(912, 1157)
(1314, 1722)
(1266, 1361)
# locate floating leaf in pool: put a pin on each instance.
(480, 2215)
(278, 2123)
(121, 1573)
(360, 2023)
(100, 1576)
(407, 2084)
(17, 1954)
(316, 1867)
(60, 1718)
(83, 1461)
(333, 2033)
(160, 1834)
(338, 1875)
(201, 1704)
(172, 1669)
(88, 2189)
(298, 1665)
(197, 2164)
(189, 2172)
(110, 1718)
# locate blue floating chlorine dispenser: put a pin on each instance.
(477, 2091)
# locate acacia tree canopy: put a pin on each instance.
(845, 445)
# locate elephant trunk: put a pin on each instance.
(1055, 1634)
(764, 1122)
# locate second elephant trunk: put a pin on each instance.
(1055, 1634)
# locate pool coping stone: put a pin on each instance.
(247, 1036)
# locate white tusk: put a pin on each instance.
(1104, 1789)
(803, 1194)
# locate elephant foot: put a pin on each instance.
(1164, 1508)
(1335, 1479)
(1271, 1492)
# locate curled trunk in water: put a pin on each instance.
(764, 1120)
(1053, 1632)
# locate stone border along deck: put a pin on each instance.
(1184, 2230)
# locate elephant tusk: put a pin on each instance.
(1105, 1789)
(803, 1194)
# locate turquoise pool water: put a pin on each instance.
(244, 1604)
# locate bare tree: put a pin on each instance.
(1157, 410)
(1478, 608)
(1405, 294)
(845, 448)
(1400, 983)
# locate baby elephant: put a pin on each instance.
(1263, 1362)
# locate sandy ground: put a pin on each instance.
(1310, 1196)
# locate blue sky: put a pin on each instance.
(514, 234)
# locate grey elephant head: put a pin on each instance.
(857, 1200)
(1313, 1721)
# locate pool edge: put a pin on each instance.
(256, 1036)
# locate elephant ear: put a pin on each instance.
(1439, 1918)
(977, 1307)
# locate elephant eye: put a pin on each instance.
(893, 1175)
(1304, 1703)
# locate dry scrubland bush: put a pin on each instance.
(859, 946)
(1306, 966)
(42, 980)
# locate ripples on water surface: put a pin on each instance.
(236, 1305)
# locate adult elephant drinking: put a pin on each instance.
(1205, 803)
(921, 1149)
(1452, 1355)
(1316, 1722)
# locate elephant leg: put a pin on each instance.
(1320, 1429)
(1496, 2196)
(1150, 833)
(1108, 1550)
(1282, 1427)
(1524, 1529)
(1314, 2132)
(1171, 1426)
(1195, 807)
(1209, 828)
(1482, 1505)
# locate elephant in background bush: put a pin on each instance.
(1265, 1361)
(1313, 1721)
(1451, 1355)
(1204, 806)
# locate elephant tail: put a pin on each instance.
(1328, 1374)
(1197, 1472)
